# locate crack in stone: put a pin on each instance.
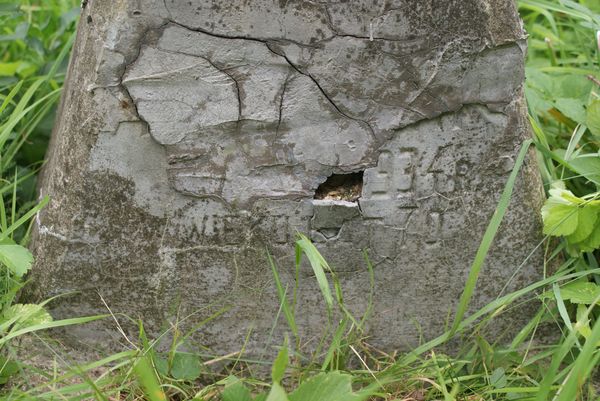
(165, 73)
(283, 55)
(216, 67)
(127, 66)
(316, 44)
(268, 46)
(329, 19)
(167, 10)
(323, 92)
(281, 98)
(235, 81)
(450, 112)
(242, 37)
(136, 112)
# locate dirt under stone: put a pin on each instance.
(346, 187)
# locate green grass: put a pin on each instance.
(562, 89)
(35, 41)
(35, 38)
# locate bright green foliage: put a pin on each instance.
(563, 95)
(148, 381)
(584, 294)
(16, 258)
(180, 366)
(577, 219)
(185, 366)
(319, 266)
(35, 37)
(592, 119)
(330, 386)
(23, 315)
(581, 292)
(280, 364)
(277, 393)
(32, 34)
(325, 386)
(8, 368)
(563, 89)
(235, 391)
(498, 378)
(584, 165)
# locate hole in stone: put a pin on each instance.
(343, 187)
(137, 12)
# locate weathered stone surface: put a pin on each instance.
(194, 135)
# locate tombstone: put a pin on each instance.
(195, 136)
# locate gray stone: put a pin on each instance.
(193, 136)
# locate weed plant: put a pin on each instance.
(35, 37)
(562, 90)
(34, 44)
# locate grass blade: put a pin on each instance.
(488, 237)
(50, 325)
(319, 265)
(289, 316)
(147, 378)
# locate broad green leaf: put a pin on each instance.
(186, 366)
(587, 166)
(17, 258)
(593, 117)
(575, 218)
(277, 393)
(541, 82)
(498, 378)
(559, 218)
(9, 69)
(280, 364)
(235, 391)
(7, 369)
(586, 222)
(329, 386)
(27, 315)
(593, 241)
(161, 365)
(26, 69)
(536, 102)
(580, 292)
(572, 108)
(571, 86)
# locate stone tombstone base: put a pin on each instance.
(194, 136)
